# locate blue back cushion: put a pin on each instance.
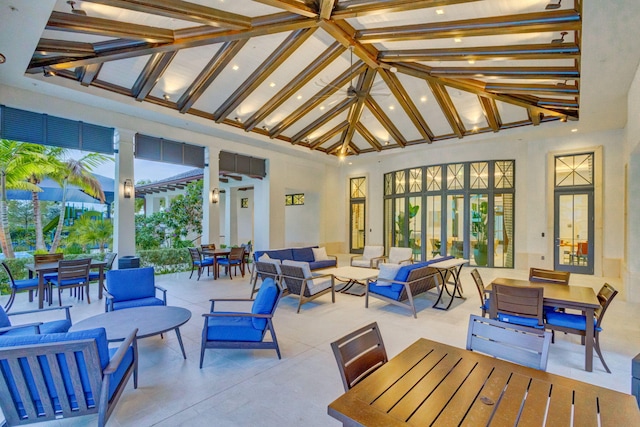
(4, 319)
(303, 254)
(403, 273)
(264, 302)
(131, 283)
(280, 254)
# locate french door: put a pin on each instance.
(573, 236)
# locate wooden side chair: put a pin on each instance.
(46, 259)
(199, 262)
(359, 354)
(72, 274)
(235, 260)
(485, 302)
(519, 344)
(517, 305)
(576, 323)
(549, 276)
(18, 286)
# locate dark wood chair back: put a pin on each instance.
(480, 286)
(359, 354)
(518, 344)
(47, 258)
(236, 254)
(263, 271)
(195, 254)
(109, 258)
(518, 301)
(74, 269)
(208, 247)
(605, 296)
(549, 276)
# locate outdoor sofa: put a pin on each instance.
(305, 254)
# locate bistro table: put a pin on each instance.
(52, 267)
(355, 278)
(431, 383)
(454, 266)
(566, 296)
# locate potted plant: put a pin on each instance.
(479, 214)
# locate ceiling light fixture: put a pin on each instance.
(166, 96)
(457, 40)
(321, 107)
(393, 69)
(48, 72)
(552, 6)
(74, 10)
(299, 97)
(272, 84)
(439, 12)
(423, 99)
(235, 68)
(574, 130)
(561, 39)
(471, 61)
(3, 59)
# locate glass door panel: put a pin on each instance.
(455, 225)
(573, 232)
(479, 226)
(357, 227)
(434, 229)
(401, 223)
(415, 227)
(503, 230)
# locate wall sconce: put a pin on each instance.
(128, 188)
(215, 196)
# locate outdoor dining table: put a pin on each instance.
(454, 266)
(52, 267)
(565, 296)
(431, 383)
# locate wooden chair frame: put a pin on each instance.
(72, 269)
(517, 301)
(549, 276)
(297, 284)
(263, 270)
(481, 290)
(196, 256)
(236, 254)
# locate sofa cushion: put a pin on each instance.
(397, 255)
(387, 272)
(281, 254)
(386, 291)
(372, 252)
(264, 302)
(316, 265)
(131, 283)
(232, 329)
(303, 254)
(320, 254)
(306, 269)
(53, 327)
(318, 285)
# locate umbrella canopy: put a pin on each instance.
(52, 192)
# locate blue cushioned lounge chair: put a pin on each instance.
(53, 376)
(7, 329)
(132, 287)
(243, 329)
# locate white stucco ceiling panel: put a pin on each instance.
(123, 72)
(510, 113)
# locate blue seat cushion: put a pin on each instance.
(26, 283)
(232, 329)
(487, 304)
(520, 320)
(204, 263)
(140, 302)
(386, 291)
(67, 282)
(227, 261)
(53, 327)
(131, 283)
(326, 263)
(99, 335)
(568, 320)
(50, 276)
(4, 319)
(264, 302)
(303, 254)
(94, 275)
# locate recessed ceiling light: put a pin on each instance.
(475, 129)
(235, 68)
(272, 84)
(393, 69)
(2, 59)
(471, 61)
(238, 119)
(439, 12)
(299, 97)
(350, 163)
(265, 127)
(423, 99)
(386, 143)
(457, 40)
(322, 107)
(392, 107)
(574, 130)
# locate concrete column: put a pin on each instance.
(124, 240)
(210, 211)
(231, 215)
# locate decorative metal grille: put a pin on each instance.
(479, 175)
(504, 173)
(455, 176)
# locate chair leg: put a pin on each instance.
(88, 297)
(11, 298)
(192, 269)
(597, 347)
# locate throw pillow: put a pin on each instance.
(320, 254)
(387, 272)
(304, 265)
(264, 258)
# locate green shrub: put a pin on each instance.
(169, 260)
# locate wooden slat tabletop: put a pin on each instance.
(431, 383)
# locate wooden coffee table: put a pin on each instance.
(150, 321)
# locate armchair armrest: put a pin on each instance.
(231, 314)
(115, 361)
(375, 261)
(35, 325)
(164, 293)
(16, 313)
(108, 300)
(333, 256)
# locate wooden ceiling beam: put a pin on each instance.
(209, 73)
(292, 6)
(325, 7)
(559, 73)
(153, 70)
(182, 10)
(448, 108)
(89, 74)
(491, 113)
(345, 34)
(328, 135)
(556, 21)
(47, 47)
(358, 8)
(560, 104)
(334, 148)
(474, 86)
(326, 117)
(275, 60)
(368, 136)
(69, 22)
(223, 180)
(335, 85)
(407, 104)
(354, 148)
(515, 52)
(380, 115)
(355, 113)
(535, 116)
(180, 43)
(533, 89)
(291, 88)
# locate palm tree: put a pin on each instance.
(78, 173)
(89, 231)
(17, 161)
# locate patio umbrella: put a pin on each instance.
(52, 192)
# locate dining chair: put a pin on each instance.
(199, 262)
(359, 354)
(549, 276)
(46, 259)
(72, 274)
(247, 256)
(519, 344)
(18, 286)
(235, 260)
(109, 257)
(577, 323)
(517, 305)
(485, 302)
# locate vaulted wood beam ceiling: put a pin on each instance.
(344, 33)
(326, 8)
(355, 113)
(221, 59)
(491, 114)
(318, 98)
(556, 21)
(384, 120)
(447, 107)
(51, 47)
(304, 77)
(292, 6)
(533, 89)
(368, 136)
(182, 10)
(89, 73)
(529, 51)
(559, 73)
(323, 119)
(151, 73)
(286, 48)
(105, 27)
(341, 127)
(357, 8)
